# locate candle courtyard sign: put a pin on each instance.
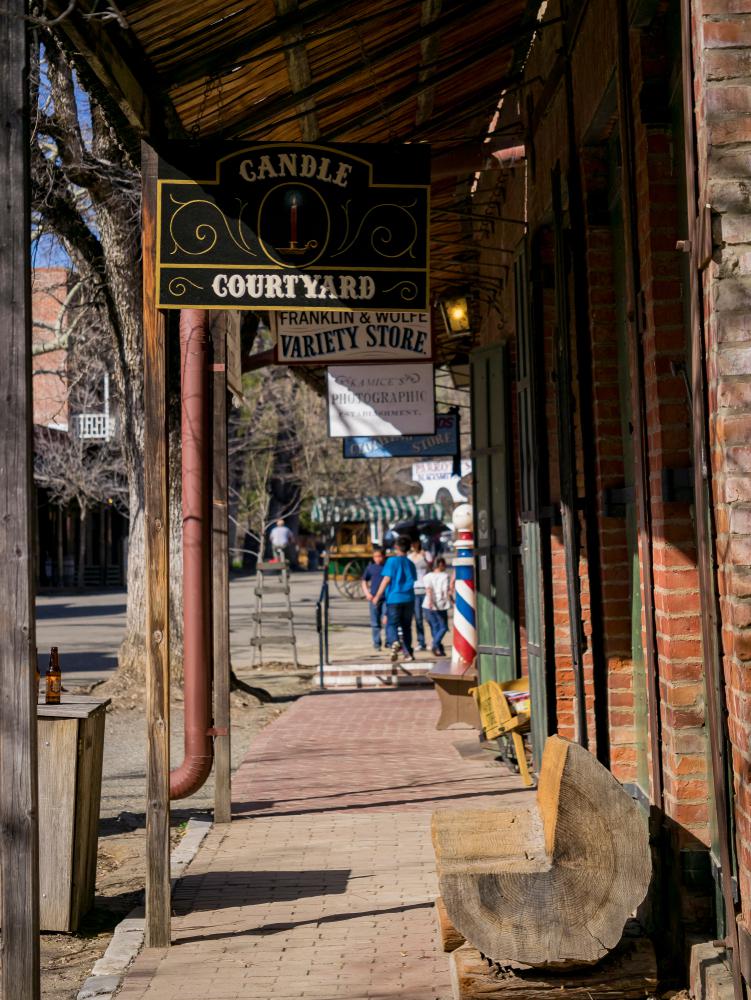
(293, 226)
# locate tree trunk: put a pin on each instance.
(132, 652)
(82, 524)
(60, 547)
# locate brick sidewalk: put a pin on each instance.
(322, 887)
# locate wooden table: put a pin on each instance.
(452, 686)
(70, 745)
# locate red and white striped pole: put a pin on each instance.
(465, 617)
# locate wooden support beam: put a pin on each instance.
(19, 834)
(428, 55)
(220, 568)
(113, 55)
(298, 71)
(635, 314)
(567, 464)
(156, 489)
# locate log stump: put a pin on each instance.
(628, 973)
(449, 937)
(552, 885)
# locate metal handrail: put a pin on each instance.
(322, 624)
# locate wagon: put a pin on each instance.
(354, 526)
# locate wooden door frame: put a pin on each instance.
(486, 452)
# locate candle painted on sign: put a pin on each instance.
(291, 226)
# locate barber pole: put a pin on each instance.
(465, 629)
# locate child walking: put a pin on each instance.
(436, 604)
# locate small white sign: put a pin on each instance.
(437, 476)
(321, 337)
(381, 400)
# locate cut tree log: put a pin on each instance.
(449, 937)
(552, 885)
(628, 973)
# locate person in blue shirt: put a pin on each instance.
(371, 581)
(398, 587)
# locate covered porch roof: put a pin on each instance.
(337, 70)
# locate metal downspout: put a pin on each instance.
(194, 382)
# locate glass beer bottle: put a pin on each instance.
(54, 679)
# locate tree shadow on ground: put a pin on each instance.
(286, 926)
(215, 890)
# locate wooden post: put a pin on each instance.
(19, 842)
(220, 570)
(156, 489)
(640, 438)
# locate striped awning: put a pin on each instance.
(334, 510)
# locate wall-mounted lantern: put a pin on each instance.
(455, 311)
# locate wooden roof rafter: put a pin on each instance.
(263, 116)
(395, 47)
(298, 71)
(224, 58)
(114, 58)
(428, 57)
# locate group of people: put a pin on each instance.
(409, 585)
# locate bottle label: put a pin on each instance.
(53, 689)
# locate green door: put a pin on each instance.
(496, 607)
(528, 371)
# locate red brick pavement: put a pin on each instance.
(362, 750)
(322, 887)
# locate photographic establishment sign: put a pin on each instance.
(293, 226)
(445, 441)
(318, 337)
(388, 400)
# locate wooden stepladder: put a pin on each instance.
(272, 578)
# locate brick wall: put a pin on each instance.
(722, 44)
(676, 586)
(723, 108)
(49, 289)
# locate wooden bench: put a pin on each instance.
(552, 884)
(453, 688)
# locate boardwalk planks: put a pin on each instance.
(157, 563)
(19, 847)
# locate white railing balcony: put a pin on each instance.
(94, 426)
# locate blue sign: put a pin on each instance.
(445, 441)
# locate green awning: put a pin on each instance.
(334, 510)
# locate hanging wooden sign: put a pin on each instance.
(380, 399)
(319, 337)
(291, 226)
(445, 441)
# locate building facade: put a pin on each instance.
(611, 398)
(63, 540)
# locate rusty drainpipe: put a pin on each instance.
(194, 381)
